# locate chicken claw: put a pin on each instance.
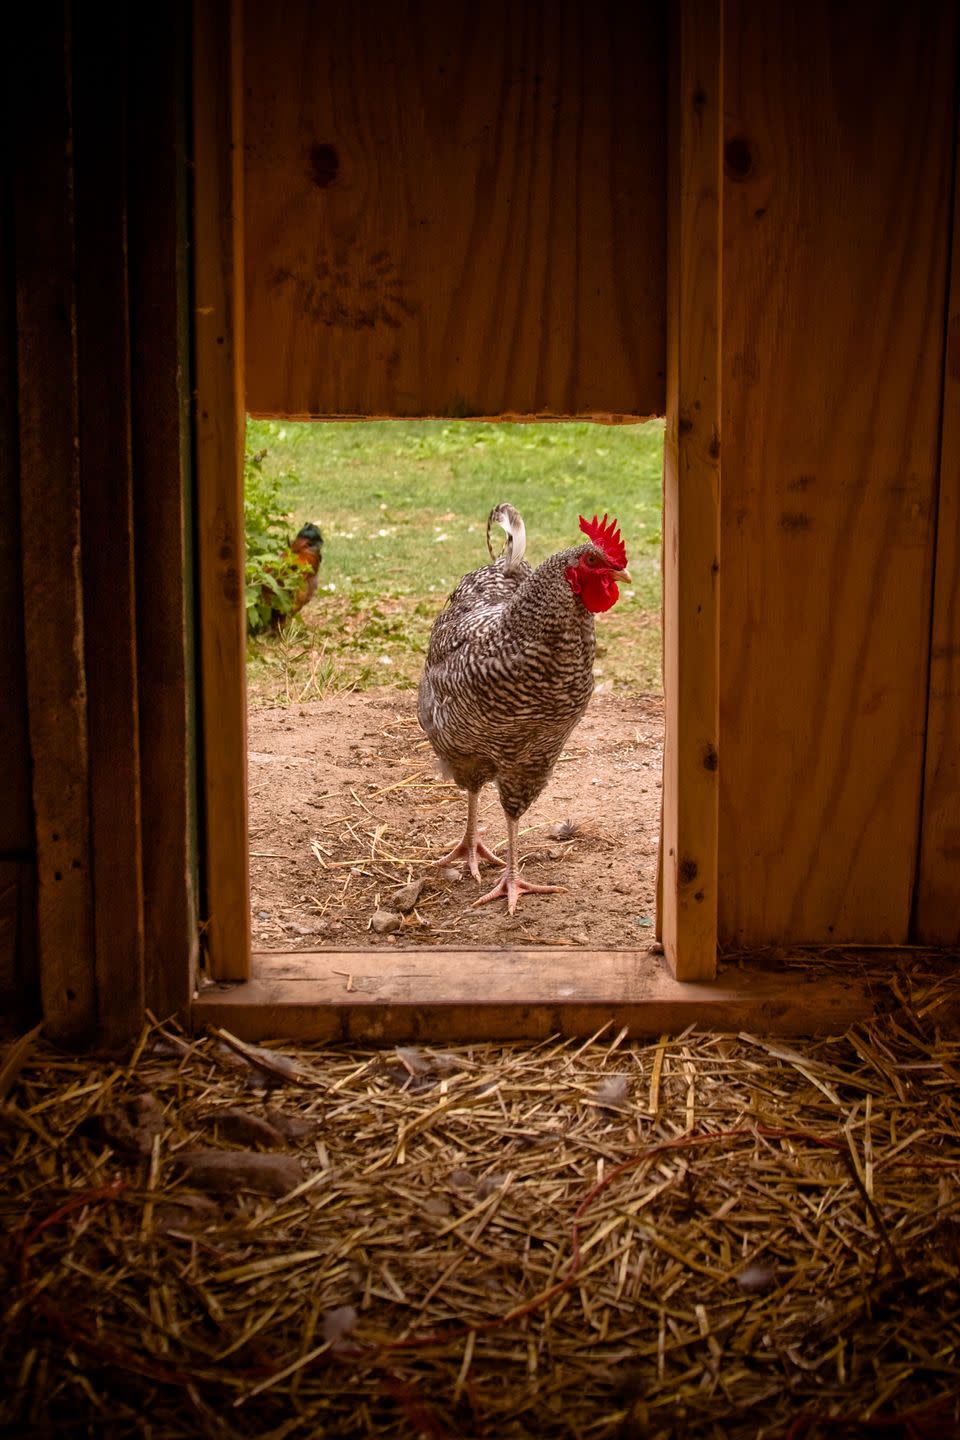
(471, 848)
(473, 851)
(513, 887)
(510, 885)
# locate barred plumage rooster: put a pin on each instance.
(509, 674)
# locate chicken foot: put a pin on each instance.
(471, 848)
(510, 885)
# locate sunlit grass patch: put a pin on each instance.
(403, 507)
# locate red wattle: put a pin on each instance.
(601, 594)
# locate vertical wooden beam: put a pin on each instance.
(19, 980)
(936, 918)
(220, 418)
(692, 495)
(99, 111)
(161, 373)
(50, 518)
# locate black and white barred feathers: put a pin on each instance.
(509, 670)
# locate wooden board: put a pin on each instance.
(838, 155)
(937, 912)
(455, 210)
(372, 997)
(16, 811)
(50, 520)
(20, 1003)
(160, 397)
(687, 887)
(106, 486)
(19, 976)
(219, 351)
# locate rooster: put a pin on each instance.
(509, 673)
(305, 553)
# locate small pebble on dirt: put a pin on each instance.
(383, 921)
(407, 896)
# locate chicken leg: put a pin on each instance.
(471, 848)
(510, 883)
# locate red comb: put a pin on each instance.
(606, 538)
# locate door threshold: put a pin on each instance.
(457, 996)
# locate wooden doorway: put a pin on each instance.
(678, 249)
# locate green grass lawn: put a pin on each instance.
(403, 508)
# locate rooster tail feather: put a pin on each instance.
(511, 522)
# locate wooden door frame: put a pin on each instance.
(632, 983)
(691, 494)
(220, 421)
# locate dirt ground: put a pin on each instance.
(347, 805)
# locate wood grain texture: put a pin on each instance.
(19, 970)
(16, 810)
(160, 397)
(937, 911)
(106, 488)
(838, 156)
(219, 351)
(20, 1003)
(453, 209)
(366, 997)
(50, 520)
(9, 930)
(691, 527)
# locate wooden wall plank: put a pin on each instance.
(50, 518)
(691, 525)
(16, 810)
(937, 912)
(838, 156)
(20, 1004)
(453, 209)
(160, 375)
(100, 160)
(9, 931)
(460, 995)
(19, 978)
(220, 421)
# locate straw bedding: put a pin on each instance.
(703, 1236)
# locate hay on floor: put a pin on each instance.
(709, 1235)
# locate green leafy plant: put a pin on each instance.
(272, 575)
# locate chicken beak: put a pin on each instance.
(622, 577)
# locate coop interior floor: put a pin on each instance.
(712, 1235)
(347, 807)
